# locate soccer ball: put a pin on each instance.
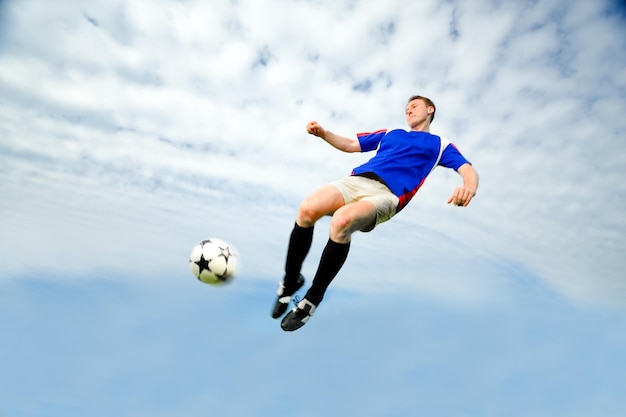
(213, 261)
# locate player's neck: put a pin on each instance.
(422, 127)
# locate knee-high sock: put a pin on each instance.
(333, 258)
(299, 245)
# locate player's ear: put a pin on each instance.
(430, 111)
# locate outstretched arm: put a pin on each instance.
(463, 195)
(340, 142)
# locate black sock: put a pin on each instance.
(299, 245)
(333, 258)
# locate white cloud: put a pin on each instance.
(208, 102)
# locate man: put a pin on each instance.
(372, 194)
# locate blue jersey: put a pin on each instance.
(405, 158)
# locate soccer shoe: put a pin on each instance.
(298, 317)
(282, 302)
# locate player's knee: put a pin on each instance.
(307, 214)
(340, 226)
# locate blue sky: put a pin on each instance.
(130, 130)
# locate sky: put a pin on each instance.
(131, 130)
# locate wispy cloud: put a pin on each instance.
(129, 102)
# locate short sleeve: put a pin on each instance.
(370, 141)
(452, 157)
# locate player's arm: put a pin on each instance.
(463, 195)
(340, 142)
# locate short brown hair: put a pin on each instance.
(429, 103)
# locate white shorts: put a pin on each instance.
(356, 188)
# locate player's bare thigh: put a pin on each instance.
(358, 215)
(322, 202)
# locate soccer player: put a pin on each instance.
(372, 194)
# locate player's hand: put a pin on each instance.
(461, 196)
(315, 129)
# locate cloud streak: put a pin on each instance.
(206, 104)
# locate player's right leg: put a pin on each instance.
(324, 201)
(368, 203)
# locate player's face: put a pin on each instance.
(416, 112)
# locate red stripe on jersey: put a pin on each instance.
(406, 197)
(358, 135)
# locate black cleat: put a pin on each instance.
(298, 317)
(282, 302)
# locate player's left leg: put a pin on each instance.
(360, 215)
(346, 220)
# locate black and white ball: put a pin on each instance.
(213, 261)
